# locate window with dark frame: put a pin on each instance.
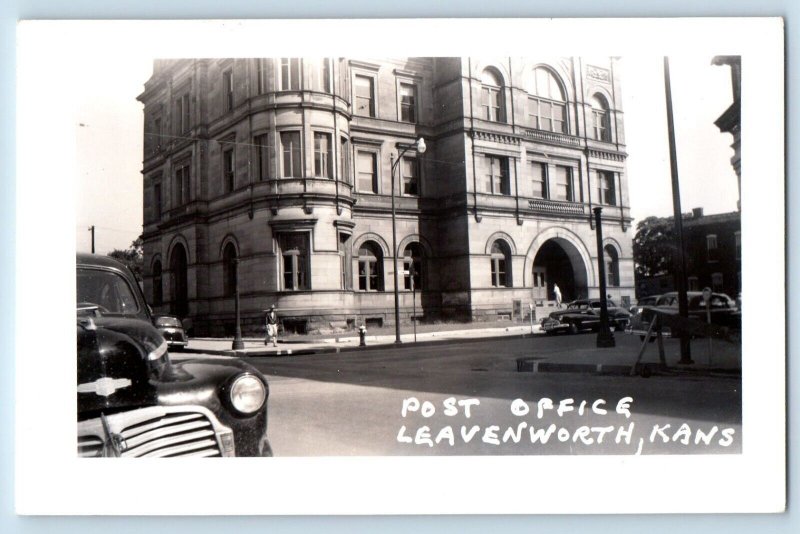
(344, 161)
(321, 76)
(345, 260)
(564, 183)
(228, 170)
(261, 77)
(370, 267)
(712, 247)
(364, 95)
(492, 100)
(366, 169)
(323, 155)
(738, 237)
(410, 168)
(500, 261)
(606, 190)
(547, 108)
(182, 113)
(295, 258)
(539, 179)
(227, 88)
(612, 266)
(182, 180)
(412, 267)
(497, 179)
(408, 102)
(290, 74)
(157, 201)
(158, 290)
(717, 282)
(292, 155)
(262, 147)
(600, 120)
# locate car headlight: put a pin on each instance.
(248, 394)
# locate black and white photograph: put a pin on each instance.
(410, 267)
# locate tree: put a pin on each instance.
(133, 257)
(654, 246)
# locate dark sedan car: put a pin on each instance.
(133, 401)
(722, 310)
(584, 315)
(171, 328)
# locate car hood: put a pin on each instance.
(116, 358)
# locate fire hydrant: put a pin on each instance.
(362, 336)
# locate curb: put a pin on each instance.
(531, 365)
(323, 350)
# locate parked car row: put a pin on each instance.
(133, 401)
(723, 311)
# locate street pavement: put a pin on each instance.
(723, 357)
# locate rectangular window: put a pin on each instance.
(182, 185)
(157, 200)
(410, 176)
(711, 247)
(323, 155)
(492, 104)
(182, 113)
(344, 161)
(408, 102)
(497, 180)
(262, 147)
(365, 96)
(606, 192)
(346, 261)
(290, 74)
(564, 190)
(157, 134)
(601, 131)
(228, 172)
(547, 115)
(321, 76)
(294, 255)
(261, 77)
(292, 159)
(227, 89)
(367, 172)
(539, 179)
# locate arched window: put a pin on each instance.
(229, 270)
(601, 129)
(413, 257)
(501, 264)
(370, 267)
(547, 107)
(158, 291)
(492, 100)
(612, 266)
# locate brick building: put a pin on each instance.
(285, 165)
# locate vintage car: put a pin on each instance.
(642, 302)
(722, 310)
(584, 315)
(133, 401)
(171, 328)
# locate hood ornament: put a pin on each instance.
(104, 386)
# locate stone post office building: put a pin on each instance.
(285, 165)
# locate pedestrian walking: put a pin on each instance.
(272, 327)
(557, 295)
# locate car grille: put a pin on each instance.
(158, 431)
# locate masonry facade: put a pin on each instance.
(279, 171)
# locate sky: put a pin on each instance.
(109, 142)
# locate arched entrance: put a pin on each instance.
(559, 262)
(179, 294)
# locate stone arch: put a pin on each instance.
(229, 238)
(179, 240)
(503, 236)
(497, 68)
(371, 236)
(415, 238)
(567, 236)
(558, 74)
(615, 244)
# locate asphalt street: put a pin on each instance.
(468, 399)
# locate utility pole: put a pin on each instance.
(680, 258)
(605, 339)
(91, 229)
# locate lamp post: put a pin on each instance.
(605, 338)
(420, 146)
(237, 338)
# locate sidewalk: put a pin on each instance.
(586, 358)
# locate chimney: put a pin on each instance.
(697, 213)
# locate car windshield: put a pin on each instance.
(578, 306)
(168, 321)
(107, 290)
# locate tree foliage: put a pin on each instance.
(132, 256)
(654, 246)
